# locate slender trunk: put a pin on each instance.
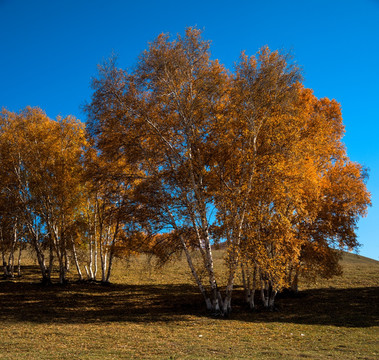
(5, 265)
(46, 279)
(89, 269)
(67, 261)
(253, 287)
(11, 263)
(75, 255)
(204, 240)
(268, 294)
(87, 272)
(12, 250)
(62, 271)
(112, 247)
(103, 253)
(227, 304)
(246, 287)
(199, 283)
(19, 261)
(102, 260)
(61, 253)
(110, 262)
(94, 271)
(91, 234)
(264, 293)
(234, 256)
(96, 235)
(264, 298)
(34, 233)
(295, 281)
(95, 258)
(251, 299)
(51, 259)
(271, 303)
(217, 302)
(31, 222)
(249, 283)
(62, 266)
(104, 267)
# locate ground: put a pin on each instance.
(158, 314)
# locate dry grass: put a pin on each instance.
(149, 314)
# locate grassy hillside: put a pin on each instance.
(148, 313)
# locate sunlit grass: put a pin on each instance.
(150, 313)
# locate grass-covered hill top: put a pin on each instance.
(158, 313)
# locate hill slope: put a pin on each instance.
(154, 314)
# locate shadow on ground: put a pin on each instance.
(22, 301)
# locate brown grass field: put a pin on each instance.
(158, 314)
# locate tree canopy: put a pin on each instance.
(248, 157)
(180, 154)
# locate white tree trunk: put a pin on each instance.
(264, 294)
(95, 259)
(271, 303)
(89, 270)
(77, 265)
(19, 261)
(251, 300)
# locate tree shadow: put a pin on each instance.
(22, 300)
(95, 302)
(352, 307)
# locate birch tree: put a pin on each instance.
(169, 102)
(108, 225)
(340, 197)
(19, 133)
(41, 159)
(250, 137)
(241, 157)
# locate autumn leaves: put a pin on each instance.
(185, 153)
(41, 184)
(244, 157)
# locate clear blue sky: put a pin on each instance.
(49, 51)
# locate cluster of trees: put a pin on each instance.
(180, 154)
(49, 199)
